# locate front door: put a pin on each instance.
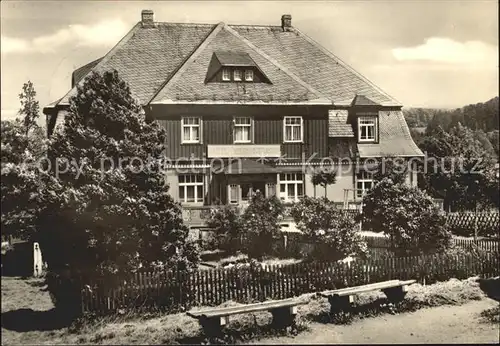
(248, 189)
(241, 189)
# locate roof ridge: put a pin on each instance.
(347, 66)
(256, 26)
(186, 24)
(274, 62)
(174, 76)
(108, 55)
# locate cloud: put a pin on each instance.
(14, 45)
(104, 33)
(445, 50)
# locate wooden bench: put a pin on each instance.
(212, 321)
(341, 299)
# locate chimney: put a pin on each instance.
(286, 22)
(147, 18)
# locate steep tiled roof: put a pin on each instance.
(147, 57)
(81, 72)
(337, 124)
(298, 68)
(189, 82)
(395, 138)
(362, 100)
(229, 58)
(313, 63)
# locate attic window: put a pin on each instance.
(249, 75)
(237, 75)
(226, 75)
(234, 66)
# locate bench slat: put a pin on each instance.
(407, 282)
(244, 308)
(373, 287)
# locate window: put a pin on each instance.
(271, 190)
(242, 130)
(191, 130)
(291, 186)
(246, 192)
(249, 75)
(226, 75)
(364, 182)
(191, 188)
(367, 128)
(237, 75)
(233, 193)
(293, 129)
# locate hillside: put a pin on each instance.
(479, 116)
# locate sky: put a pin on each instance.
(424, 53)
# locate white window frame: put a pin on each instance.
(238, 193)
(226, 74)
(249, 75)
(191, 126)
(250, 132)
(192, 182)
(294, 180)
(366, 178)
(373, 122)
(237, 75)
(293, 125)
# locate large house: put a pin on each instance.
(253, 107)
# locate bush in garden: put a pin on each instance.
(333, 231)
(112, 214)
(226, 222)
(261, 224)
(409, 216)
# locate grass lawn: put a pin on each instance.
(452, 307)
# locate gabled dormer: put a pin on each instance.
(234, 67)
(364, 117)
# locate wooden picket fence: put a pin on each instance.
(178, 290)
(468, 223)
(489, 245)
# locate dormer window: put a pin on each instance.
(234, 66)
(367, 128)
(226, 74)
(249, 75)
(237, 75)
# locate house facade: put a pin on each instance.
(250, 107)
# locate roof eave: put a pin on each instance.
(242, 102)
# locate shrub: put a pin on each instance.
(407, 215)
(333, 231)
(226, 222)
(261, 224)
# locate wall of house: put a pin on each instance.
(217, 127)
(334, 192)
(173, 182)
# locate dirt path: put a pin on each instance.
(444, 324)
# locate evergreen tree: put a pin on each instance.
(107, 207)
